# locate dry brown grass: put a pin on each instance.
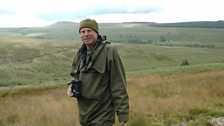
(156, 96)
(44, 108)
(152, 99)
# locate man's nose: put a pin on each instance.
(86, 33)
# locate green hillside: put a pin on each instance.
(129, 32)
(41, 55)
(199, 24)
(35, 65)
(25, 61)
(60, 30)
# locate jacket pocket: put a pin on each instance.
(100, 64)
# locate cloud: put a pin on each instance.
(6, 12)
(36, 12)
(71, 10)
(94, 12)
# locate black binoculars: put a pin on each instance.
(76, 87)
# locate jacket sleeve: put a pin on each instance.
(118, 85)
(74, 65)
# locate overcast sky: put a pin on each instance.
(27, 13)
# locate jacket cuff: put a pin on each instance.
(123, 118)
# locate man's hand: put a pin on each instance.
(69, 91)
(122, 123)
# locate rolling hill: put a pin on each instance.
(27, 52)
(35, 65)
(199, 24)
(128, 32)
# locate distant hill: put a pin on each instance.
(58, 30)
(199, 24)
(127, 32)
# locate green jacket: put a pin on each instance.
(103, 90)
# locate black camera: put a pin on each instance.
(76, 87)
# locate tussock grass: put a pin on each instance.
(33, 75)
(155, 100)
(39, 109)
(158, 99)
(25, 61)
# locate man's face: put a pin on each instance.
(88, 36)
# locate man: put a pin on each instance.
(103, 84)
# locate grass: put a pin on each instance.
(155, 100)
(121, 33)
(159, 99)
(33, 75)
(29, 61)
(40, 108)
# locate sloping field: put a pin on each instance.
(155, 100)
(34, 73)
(25, 62)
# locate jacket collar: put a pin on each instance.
(95, 52)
